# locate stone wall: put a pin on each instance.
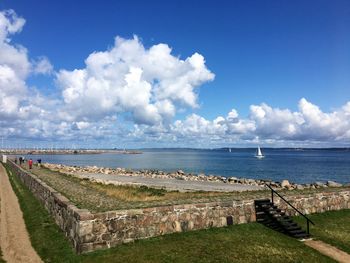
(315, 203)
(115, 227)
(88, 231)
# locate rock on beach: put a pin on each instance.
(181, 175)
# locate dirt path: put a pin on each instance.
(14, 239)
(329, 250)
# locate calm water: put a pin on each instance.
(296, 166)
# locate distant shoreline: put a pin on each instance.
(73, 152)
(179, 180)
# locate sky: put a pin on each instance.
(204, 74)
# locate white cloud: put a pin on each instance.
(14, 66)
(197, 126)
(24, 112)
(10, 23)
(324, 126)
(275, 123)
(43, 66)
(147, 83)
(265, 124)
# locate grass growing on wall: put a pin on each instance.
(238, 243)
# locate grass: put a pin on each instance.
(331, 227)
(239, 243)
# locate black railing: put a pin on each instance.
(308, 220)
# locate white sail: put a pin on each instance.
(259, 153)
(229, 149)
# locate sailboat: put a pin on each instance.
(229, 149)
(259, 155)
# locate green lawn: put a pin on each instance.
(239, 243)
(331, 227)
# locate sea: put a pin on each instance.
(295, 165)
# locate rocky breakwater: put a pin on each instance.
(181, 175)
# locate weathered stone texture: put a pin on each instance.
(88, 231)
(316, 203)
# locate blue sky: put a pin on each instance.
(272, 52)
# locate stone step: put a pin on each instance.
(301, 235)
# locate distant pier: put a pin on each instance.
(64, 151)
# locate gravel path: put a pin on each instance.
(172, 184)
(14, 239)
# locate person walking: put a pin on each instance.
(30, 163)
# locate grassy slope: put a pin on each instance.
(331, 227)
(240, 243)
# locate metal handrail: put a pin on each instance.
(307, 219)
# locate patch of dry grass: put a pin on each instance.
(145, 194)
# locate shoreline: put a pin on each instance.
(121, 175)
(62, 152)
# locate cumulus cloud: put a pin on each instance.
(10, 23)
(222, 127)
(275, 123)
(265, 124)
(147, 83)
(324, 126)
(24, 112)
(43, 66)
(14, 65)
